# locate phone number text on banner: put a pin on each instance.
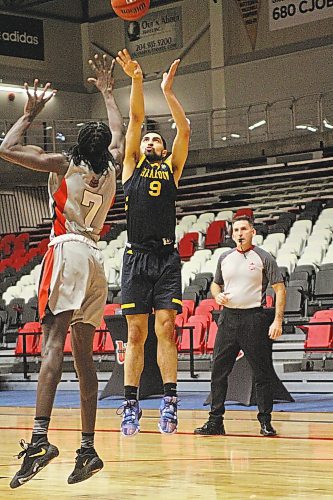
(288, 13)
(154, 33)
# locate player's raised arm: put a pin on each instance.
(181, 141)
(31, 156)
(136, 112)
(104, 82)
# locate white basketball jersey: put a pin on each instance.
(80, 200)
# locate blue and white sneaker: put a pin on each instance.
(131, 416)
(168, 419)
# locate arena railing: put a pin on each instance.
(223, 127)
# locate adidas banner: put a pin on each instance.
(21, 37)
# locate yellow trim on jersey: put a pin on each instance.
(130, 252)
(177, 301)
(167, 161)
(128, 306)
(141, 160)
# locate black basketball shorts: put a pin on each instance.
(150, 281)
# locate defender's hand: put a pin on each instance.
(35, 103)
(103, 70)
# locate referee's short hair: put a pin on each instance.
(242, 217)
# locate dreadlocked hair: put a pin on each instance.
(92, 146)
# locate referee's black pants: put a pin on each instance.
(245, 329)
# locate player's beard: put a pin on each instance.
(152, 156)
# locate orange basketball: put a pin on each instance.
(130, 10)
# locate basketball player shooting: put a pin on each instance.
(151, 272)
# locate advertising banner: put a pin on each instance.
(21, 37)
(154, 33)
(289, 13)
(250, 12)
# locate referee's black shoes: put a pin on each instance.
(267, 430)
(211, 428)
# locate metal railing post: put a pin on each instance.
(320, 113)
(293, 114)
(54, 133)
(267, 121)
(248, 124)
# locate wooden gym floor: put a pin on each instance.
(298, 464)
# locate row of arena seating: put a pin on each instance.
(197, 318)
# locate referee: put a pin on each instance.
(240, 283)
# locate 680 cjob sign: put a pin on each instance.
(288, 13)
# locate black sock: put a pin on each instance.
(39, 432)
(131, 392)
(87, 440)
(170, 389)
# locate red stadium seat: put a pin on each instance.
(68, 344)
(190, 304)
(185, 312)
(110, 309)
(211, 302)
(209, 347)
(205, 319)
(319, 335)
(98, 342)
(248, 212)
(215, 234)
(107, 346)
(179, 321)
(198, 337)
(269, 301)
(32, 341)
(188, 245)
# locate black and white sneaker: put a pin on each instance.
(36, 457)
(267, 430)
(87, 463)
(211, 428)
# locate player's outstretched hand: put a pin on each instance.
(103, 69)
(36, 101)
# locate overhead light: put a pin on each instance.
(21, 90)
(327, 124)
(80, 124)
(224, 138)
(235, 136)
(257, 124)
(48, 128)
(311, 128)
(60, 137)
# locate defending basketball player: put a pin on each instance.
(73, 287)
(151, 273)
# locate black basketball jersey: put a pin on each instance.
(150, 196)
